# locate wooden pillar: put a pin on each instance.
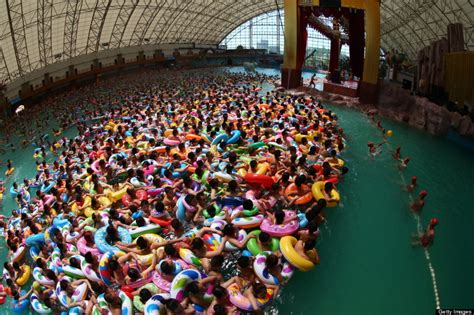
(335, 49)
(455, 37)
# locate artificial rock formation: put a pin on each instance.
(420, 112)
(398, 104)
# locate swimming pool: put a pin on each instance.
(367, 263)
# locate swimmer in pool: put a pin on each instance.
(373, 149)
(411, 187)
(419, 203)
(307, 250)
(403, 163)
(396, 154)
(221, 304)
(427, 238)
(9, 165)
(379, 125)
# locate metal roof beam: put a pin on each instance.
(143, 23)
(121, 23)
(97, 25)
(45, 38)
(18, 36)
(4, 73)
(173, 18)
(179, 33)
(71, 25)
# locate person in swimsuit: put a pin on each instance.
(411, 187)
(427, 238)
(419, 203)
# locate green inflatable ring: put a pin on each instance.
(250, 213)
(137, 303)
(218, 211)
(257, 145)
(253, 247)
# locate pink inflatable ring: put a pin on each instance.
(281, 229)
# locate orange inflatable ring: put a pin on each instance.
(160, 222)
(191, 136)
(304, 199)
(264, 180)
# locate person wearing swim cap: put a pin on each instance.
(373, 148)
(403, 163)
(397, 154)
(411, 187)
(427, 239)
(419, 203)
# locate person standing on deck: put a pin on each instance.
(311, 82)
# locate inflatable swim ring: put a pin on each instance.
(243, 303)
(25, 276)
(287, 247)
(281, 229)
(259, 266)
(180, 282)
(252, 244)
(317, 190)
(102, 244)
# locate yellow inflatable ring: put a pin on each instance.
(151, 238)
(340, 163)
(287, 247)
(299, 137)
(9, 171)
(104, 201)
(263, 168)
(117, 195)
(317, 190)
(26, 275)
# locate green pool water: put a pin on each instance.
(367, 263)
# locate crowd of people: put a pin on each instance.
(181, 194)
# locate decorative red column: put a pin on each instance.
(335, 49)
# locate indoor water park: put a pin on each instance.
(236, 157)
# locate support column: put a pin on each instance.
(368, 88)
(356, 42)
(250, 34)
(295, 45)
(120, 60)
(335, 50)
(3, 106)
(71, 71)
(25, 89)
(46, 79)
